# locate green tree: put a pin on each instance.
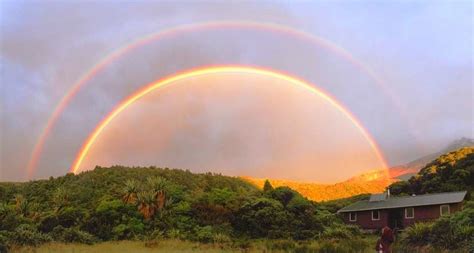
(130, 191)
(267, 186)
(262, 217)
(60, 199)
(22, 205)
(146, 201)
(158, 185)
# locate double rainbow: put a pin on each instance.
(119, 53)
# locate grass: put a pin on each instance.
(170, 246)
(175, 246)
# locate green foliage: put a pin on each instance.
(28, 235)
(260, 217)
(453, 171)
(418, 234)
(121, 203)
(204, 234)
(449, 232)
(133, 228)
(70, 235)
(267, 186)
(340, 231)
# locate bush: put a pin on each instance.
(204, 234)
(340, 231)
(28, 235)
(130, 230)
(4, 235)
(450, 232)
(418, 234)
(69, 235)
(221, 238)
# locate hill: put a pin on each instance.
(404, 172)
(453, 171)
(366, 183)
(121, 203)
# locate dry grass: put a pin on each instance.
(175, 246)
(170, 246)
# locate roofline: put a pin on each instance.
(394, 207)
(401, 206)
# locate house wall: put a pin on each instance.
(428, 213)
(422, 213)
(364, 219)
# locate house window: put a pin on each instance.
(352, 216)
(409, 213)
(444, 210)
(375, 215)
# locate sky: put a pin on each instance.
(420, 53)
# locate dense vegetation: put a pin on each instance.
(153, 204)
(453, 171)
(450, 172)
(148, 204)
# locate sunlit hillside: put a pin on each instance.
(365, 183)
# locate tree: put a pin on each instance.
(158, 185)
(130, 191)
(267, 186)
(262, 217)
(22, 206)
(60, 199)
(146, 201)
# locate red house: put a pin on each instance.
(398, 212)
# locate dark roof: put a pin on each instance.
(408, 201)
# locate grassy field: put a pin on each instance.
(174, 246)
(265, 246)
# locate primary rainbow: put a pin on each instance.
(214, 70)
(117, 54)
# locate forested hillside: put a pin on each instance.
(453, 171)
(121, 203)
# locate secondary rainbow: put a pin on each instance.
(214, 70)
(117, 54)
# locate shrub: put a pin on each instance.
(48, 223)
(418, 234)
(450, 232)
(28, 235)
(133, 228)
(73, 234)
(204, 234)
(4, 235)
(340, 231)
(221, 238)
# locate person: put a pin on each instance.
(384, 244)
(378, 246)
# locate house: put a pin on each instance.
(398, 212)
